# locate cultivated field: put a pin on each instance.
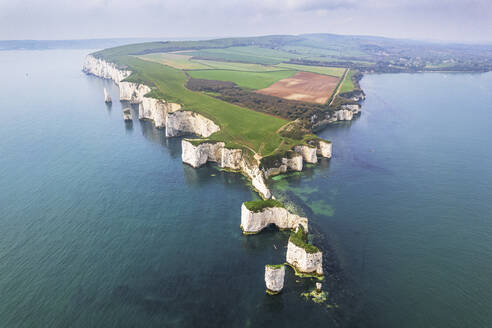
(174, 60)
(304, 86)
(249, 80)
(333, 71)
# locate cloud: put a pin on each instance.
(51, 19)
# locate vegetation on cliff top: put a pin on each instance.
(260, 205)
(275, 266)
(251, 63)
(299, 239)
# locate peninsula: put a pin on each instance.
(252, 105)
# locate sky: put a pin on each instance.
(446, 20)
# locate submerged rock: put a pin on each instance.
(274, 278)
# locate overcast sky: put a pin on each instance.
(457, 20)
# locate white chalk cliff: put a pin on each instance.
(178, 122)
(156, 110)
(274, 278)
(253, 222)
(304, 261)
(185, 122)
(163, 113)
(308, 153)
(133, 92)
(324, 149)
(104, 69)
(293, 164)
(198, 155)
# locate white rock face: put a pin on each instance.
(197, 156)
(308, 153)
(164, 114)
(231, 158)
(303, 261)
(133, 92)
(324, 149)
(294, 164)
(226, 158)
(274, 278)
(104, 69)
(127, 114)
(184, 122)
(156, 110)
(344, 115)
(354, 108)
(107, 97)
(253, 222)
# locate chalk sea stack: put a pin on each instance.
(107, 97)
(127, 114)
(274, 278)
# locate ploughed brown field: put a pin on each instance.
(304, 86)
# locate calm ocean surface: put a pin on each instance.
(102, 225)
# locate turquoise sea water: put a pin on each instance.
(103, 226)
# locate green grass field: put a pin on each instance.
(348, 84)
(240, 127)
(164, 67)
(250, 54)
(235, 66)
(248, 80)
(333, 71)
(174, 60)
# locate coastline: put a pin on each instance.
(258, 169)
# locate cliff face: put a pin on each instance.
(253, 222)
(106, 70)
(308, 153)
(156, 110)
(178, 123)
(293, 164)
(274, 278)
(185, 123)
(133, 92)
(303, 261)
(324, 149)
(164, 114)
(226, 158)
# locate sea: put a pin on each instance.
(102, 225)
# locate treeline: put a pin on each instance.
(288, 109)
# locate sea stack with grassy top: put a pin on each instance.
(274, 278)
(258, 214)
(306, 259)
